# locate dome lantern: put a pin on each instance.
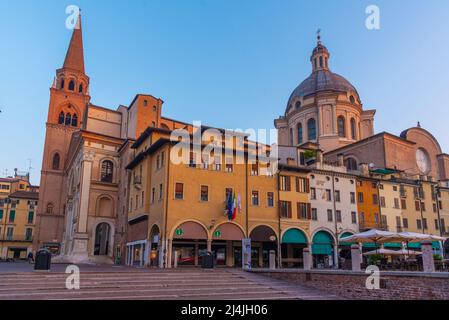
(320, 55)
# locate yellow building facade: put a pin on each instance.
(184, 207)
(18, 202)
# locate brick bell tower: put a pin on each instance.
(69, 96)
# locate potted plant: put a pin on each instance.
(309, 156)
(375, 259)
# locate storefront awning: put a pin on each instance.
(345, 235)
(417, 245)
(322, 243)
(294, 236)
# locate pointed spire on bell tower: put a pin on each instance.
(74, 58)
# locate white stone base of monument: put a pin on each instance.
(427, 257)
(356, 258)
(272, 259)
(175, 260)
(307, 257)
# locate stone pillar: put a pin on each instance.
(307, 258)
(175, 260)
(142, 254)
(81, 238)
(209, 245)
(229, 254)
(356, 257)
(162, 248)
(86, 176)
(197, 251)
(335, 257)
(132, 255)
(427, 257)
(272, 259)
(169, 254)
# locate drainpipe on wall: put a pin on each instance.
(379, 203)
(440, 225)
(166, 242)
(336, 254)
(279, 219)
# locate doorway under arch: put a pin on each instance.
(263, 240)
(102, 234)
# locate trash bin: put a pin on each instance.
(208, 261)
(43, 260)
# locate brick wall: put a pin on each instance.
(348, 284)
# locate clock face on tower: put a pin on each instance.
(423, 161)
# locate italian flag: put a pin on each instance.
(236, 206)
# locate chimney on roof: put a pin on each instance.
(319, 156)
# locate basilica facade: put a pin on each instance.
(110, 193)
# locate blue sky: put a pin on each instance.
(228, 63)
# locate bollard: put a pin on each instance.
(427, 257)
(307, 257)
(272, 259)
(175, 261)
(356, 258)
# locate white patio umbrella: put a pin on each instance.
(420, 237)
(374, 235)
(388, 252)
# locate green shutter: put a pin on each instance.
(12, 216)
(1, 214)
(30, 217)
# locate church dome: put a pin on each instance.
(321, 79)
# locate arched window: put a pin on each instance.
(56, 161)
(61, 118)
(341, 126)
(68, 119)
(353, 129)
(80, 89)
(75, 120)
(300, 140)
(291, 136)
(352, 99)
(321, 62)
(311, 129)
(298, 104)
(62, 83)
(72, 85)
(351, 164)
(107, 169)
(49, 208)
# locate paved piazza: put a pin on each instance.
(18, 281)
